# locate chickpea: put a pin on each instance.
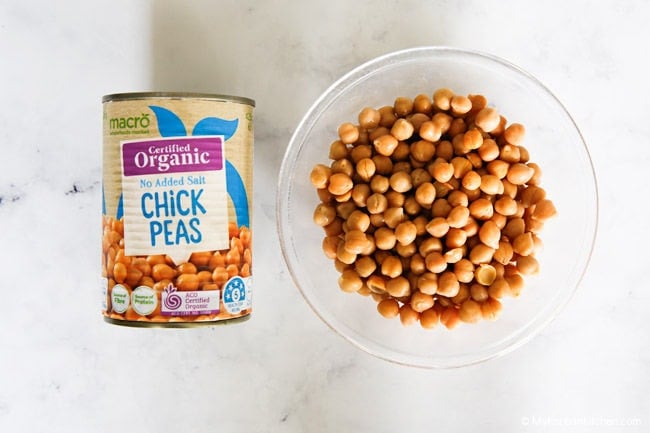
(514, 228)
(403, 106)
(376, 203)
(442, 99)
(355, 241)
(406, 250)
(423, 150)
(358, 220)
(515, 284)
(458, 217)
(456, 237)
(385, 238)
(490, 234)
(438, 227)
(489, 150)
(490, 309)
(458, 126)
(504, 253)
(385, 144)
(330, 245)
(338, 150)
(523, 244)
(537, 176)
(485, 274)
(481, 254)
(320, 175)
(391, 267)
(421, 301)
(460, 105)
(407, 315)
(440, 208)
(478, 293)
(491, 184)
(369, 118)
(448, 284)
(405, 232)
(481, 209)
(454, 255)
(472, 180)
(365, 168)
(469, 311)
(377, 220)
(499, 288)
(324, 214)
(376, 284)
(429, 318)
(471, 228)
(425, 194)
(510, 153)
(487, 119)
(411, 206)
(401, 182)
(498, 168)
(449, 317)
(398, 287)
(120, 272)
(161, 272)
(348, 133)
(472, 139)
(389, 308)
(464, 270)
(441, 171)
(544, 210)
(514, 133)
(444, 150)
(420, 176)
(349, 281)
(344, 166)
(365, 266)
(345, 256)
(430, 132)
(505, 206)
(339, 183)
(435, 262)
(519, 174)
(528, 265)
(383, 164)
(187, 282)
(402, 129)
(430, 245)
(532, 195)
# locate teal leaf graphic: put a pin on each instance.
(120, 208)
(216, 126)
(169, 124)
(237, 193)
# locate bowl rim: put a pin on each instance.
(283, 185)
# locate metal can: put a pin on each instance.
(176, 204)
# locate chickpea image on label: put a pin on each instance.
(208, 270)
(431, 207)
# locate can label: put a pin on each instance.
(176, 203)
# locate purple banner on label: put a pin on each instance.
(172, 155)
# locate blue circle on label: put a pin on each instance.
(234, 295)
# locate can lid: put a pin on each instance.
(176, 95)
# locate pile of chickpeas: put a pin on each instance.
(433, 208)
(209, 270)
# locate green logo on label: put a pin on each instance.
(130, 125)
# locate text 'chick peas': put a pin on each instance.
(432, 208)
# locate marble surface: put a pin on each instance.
(62, 369)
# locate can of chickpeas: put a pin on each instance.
(176, 206)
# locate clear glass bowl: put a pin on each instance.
(554, 142)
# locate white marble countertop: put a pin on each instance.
(62, 369)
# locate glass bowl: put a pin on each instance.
(554, 142)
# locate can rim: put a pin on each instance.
(130, 96)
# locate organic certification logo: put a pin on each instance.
(172, 300)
